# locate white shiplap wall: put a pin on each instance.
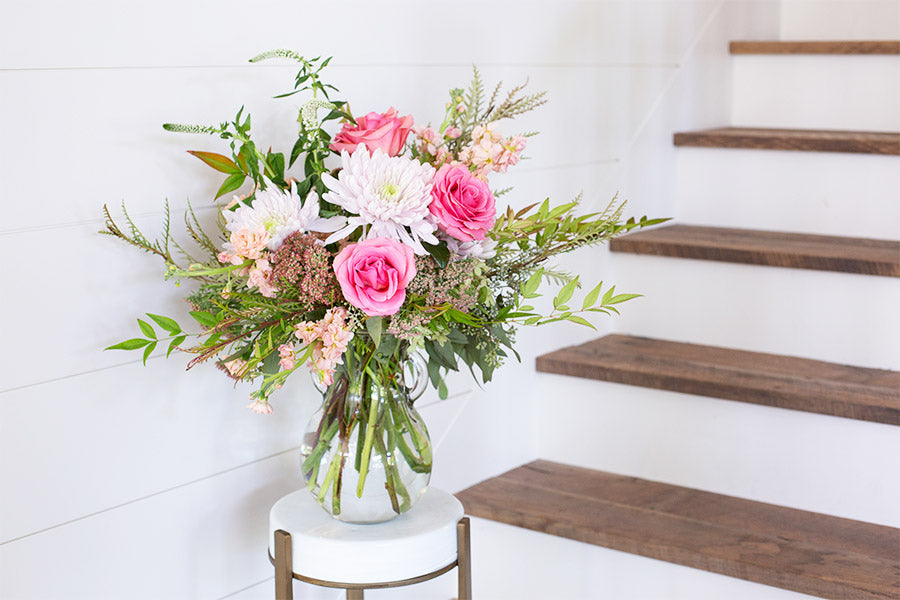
(124, 481)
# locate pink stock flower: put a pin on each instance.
(306, 331)
(259, 278)
(386, 132)
(453, 132)
(260, 407)
(235, 367)
(462, 204)
(226, 258)
(373, 274)
(286, 352)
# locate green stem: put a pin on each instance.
(390, 481)
(329, 477)
(315, 457)
(367, 446)
(420, 463)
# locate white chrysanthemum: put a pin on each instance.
(483, 249)
(281, 213)
(389, 195)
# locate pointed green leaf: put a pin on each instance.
(166, 323)
(220, 163)
(591, 298)
(619, 298)
(373, 326)
(148, 351)
(231, 183)
(581, 321)
(609, 294)
(147, 329)
(566, 292)
(204, 318)
(531, 286)
(439, 252)
(174, 344)
(132, 344)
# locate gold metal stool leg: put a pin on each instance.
(463, 559)
(355, 595)
(284, 566)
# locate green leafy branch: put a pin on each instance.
(524, 313)
(531, 236)
(175, 338)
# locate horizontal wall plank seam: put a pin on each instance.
(562, 65)
(148, 496)
(71, 375)
(244, 589)
(116, 212)
(178, 210)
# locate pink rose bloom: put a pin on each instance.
(386, 131)
(373, 274)
(462, 205)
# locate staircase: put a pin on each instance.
(805, 551)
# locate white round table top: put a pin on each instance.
(416, 543)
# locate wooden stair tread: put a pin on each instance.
(811, 140)
(815, 47)
(792, 549)
(772, 248)
(754, 377)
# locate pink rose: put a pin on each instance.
(385, 131)
(374, 273)
(461, 204)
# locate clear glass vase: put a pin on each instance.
(366, 453)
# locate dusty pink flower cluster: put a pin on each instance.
(489, 151)
(329, 338)
(450, 284)
(302, 262)
(407, 325)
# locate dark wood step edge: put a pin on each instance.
(815, 47)
(806, 552)
(801, 140)
(757, 378)
(768, 248)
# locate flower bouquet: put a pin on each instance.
(377, 259)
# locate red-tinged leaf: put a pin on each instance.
(219, 162)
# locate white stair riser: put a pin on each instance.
(807, 192)
(839, 19)
(816, 92)
(837, 317)
(511, 562)
(802, 460)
